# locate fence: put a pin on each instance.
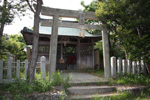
(122, 66)
(9, 68)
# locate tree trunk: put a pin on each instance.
(3, 18)
(140, 36)
(139, 32)
(1, 29)
(34, 55)
(126, 55)
(147, 67)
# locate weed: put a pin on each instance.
(123, 96)
(130, 79)
(3, 98)
(56, 79)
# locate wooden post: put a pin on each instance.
(26, 68)
(35, 72)
(129, 66)
(133, 67)
(119, 65)
(93, 52)
(28, 54)
(61, 58)
(78, 54)
(106, 55)
(18, 69)
(9, 66)
(124, 66)
(138, 67)
(43, 67)
(113, 67)
(1, 71)
(53, 45)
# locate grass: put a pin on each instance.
(126, 96)
(123, 96)
(127, 79)
(21, 87)
(99, 73)
(130, 79)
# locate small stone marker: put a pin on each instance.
(143, 67)
(26, 68)
(43, 67)
(18, 69)
(138, 67)
(113, 67)
(133, 67)
(119, 65)
(129, 66)
(123, 66)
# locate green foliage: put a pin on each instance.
(3, 47)
(57, 79)
(130, 79)
(123, 96)
(11, 8)
(100, 47)
(12, 44)
(91, 7)
(21, 88)
(129, 23)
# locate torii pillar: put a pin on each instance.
(106, 55)
(53, 45)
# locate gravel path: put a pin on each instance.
(79, 77)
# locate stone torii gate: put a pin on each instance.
(55, 23)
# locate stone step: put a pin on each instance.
(80, 90)
(92, 97)
(89, 83)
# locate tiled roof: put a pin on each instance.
(62, 31)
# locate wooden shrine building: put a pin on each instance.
(75, 47)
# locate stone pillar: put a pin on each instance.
(43, 67)
(143, 67)
(53, 45)
(119, 65)
(28, 54)
(124, 68)
(26, 68)
(129, 66)
(113, 67)
(18, 69)
(106, 55)
(133, 67)
(138, 67)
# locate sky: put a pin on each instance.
(26, 21)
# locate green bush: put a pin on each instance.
(56, 79)
(130, 79)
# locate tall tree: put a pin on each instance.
(33, 61)
(8, 10)
(129, 20)
(12, 44)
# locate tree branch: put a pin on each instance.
(30, 6)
